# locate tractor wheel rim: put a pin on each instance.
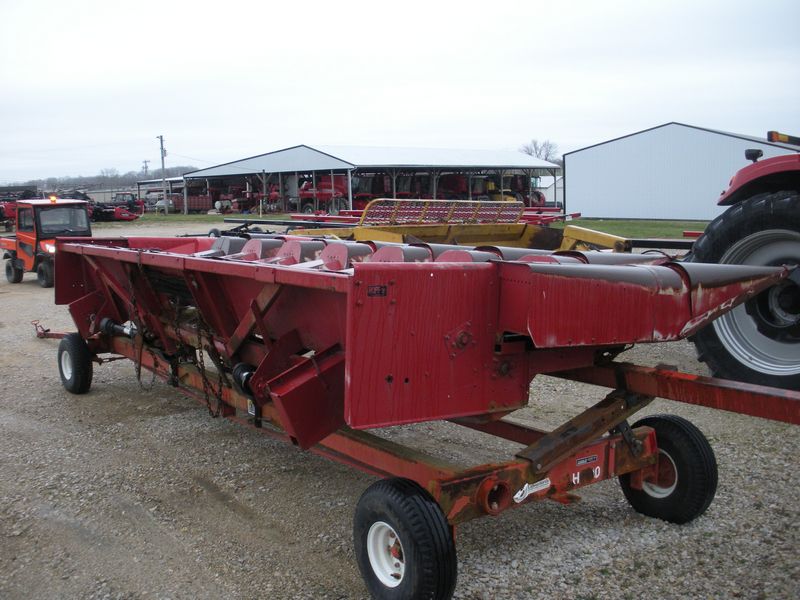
(66, 365)
(738, 331)
(667, 477)
(385, 552)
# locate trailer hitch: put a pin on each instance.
(43, 333)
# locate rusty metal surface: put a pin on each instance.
(735, 396)
(592, 423)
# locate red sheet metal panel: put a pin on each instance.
(420, 345)
(592, 305)
(565, 305)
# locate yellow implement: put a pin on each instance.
(469, 223)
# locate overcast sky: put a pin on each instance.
(88, 85)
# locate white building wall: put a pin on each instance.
(548, 189)
(671, 172)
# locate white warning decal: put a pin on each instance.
(531, 488)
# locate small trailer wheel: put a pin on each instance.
(44, 273)
(75, 364)
(13, 274)
(404, 545)
(687, 473)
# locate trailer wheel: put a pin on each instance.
(13, 274)
(404, 545)
(44, 273)
(758, 341)
(307, 208)
(687, 473)
(75, 364)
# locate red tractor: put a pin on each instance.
(330, 197)
(759, 341)
(33, 246)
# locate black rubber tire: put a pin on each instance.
(44, 274)
(214, 233)
(75, 364)
(696, 468)
(763, 212)
(13, 274)
(428, 549)
(307, 208)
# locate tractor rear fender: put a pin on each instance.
(765, 176)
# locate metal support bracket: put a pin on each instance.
(624, 429)
(595, 421)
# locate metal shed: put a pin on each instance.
(352, 160)
(672, 171)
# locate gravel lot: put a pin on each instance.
(135, 492)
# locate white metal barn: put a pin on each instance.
(673, 171)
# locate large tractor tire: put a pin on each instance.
(759, 341)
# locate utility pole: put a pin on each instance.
(163, 175)
(144, 166)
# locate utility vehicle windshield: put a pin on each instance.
(64, 220)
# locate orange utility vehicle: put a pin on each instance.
(38, 222)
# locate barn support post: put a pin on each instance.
(280, 192)
(434, 181)
(314, 187)
(263, 193)
(350, 189)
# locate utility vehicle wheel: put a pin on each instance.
(687, 473)
(307, 208)
(404, 546)
(758, 341)
(13, 274)
(75, 364)
(214, 233)
(44, 273)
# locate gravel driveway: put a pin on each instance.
(133, 491)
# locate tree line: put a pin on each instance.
(106, 179)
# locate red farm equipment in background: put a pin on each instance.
(316, 342)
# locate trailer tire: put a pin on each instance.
(687, 473)
(307, 208)
(44, 274)
(759, 341)
(13, 273)
(75, 364)
(404, 545)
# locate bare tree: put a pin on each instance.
(109, 173)
(546, 150)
